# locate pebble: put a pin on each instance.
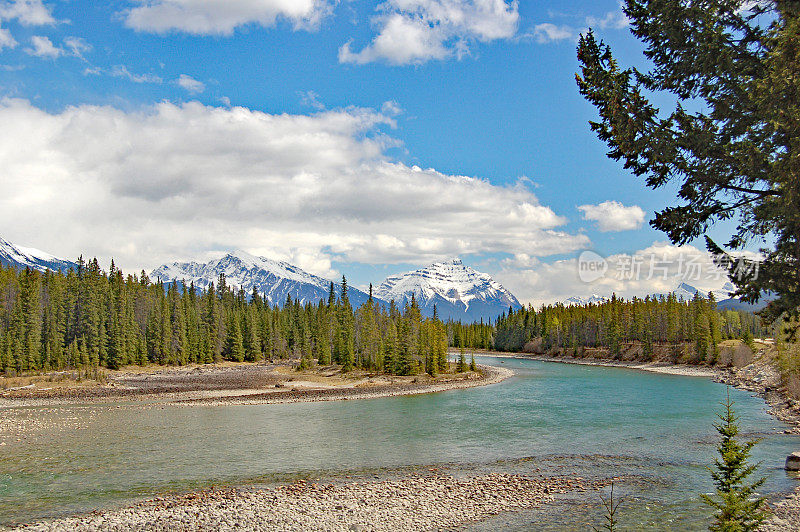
(414, 502)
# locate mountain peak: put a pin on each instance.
(25, 257)
(273, 279)
(458, 291)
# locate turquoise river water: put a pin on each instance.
(655, 431)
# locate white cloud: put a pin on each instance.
(77, 46)
(6, 39)
(121, 71)
(616, 20)
(547, 33)
(190, 84)
(27, 12)
(222, 17)
(44, 47)
(311, 99)
(177, 182)
(657, 269)
(417, 31)
(614, 216)
(391, 108)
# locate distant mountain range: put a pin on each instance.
(687, 292)
(22, 257)
(580, 301)
(273, 279)
(458, 292)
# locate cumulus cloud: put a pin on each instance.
(547, 33)
(6, 39)
(190, 84)
(179, 181)
(222, 17)
(417, 31)
(657, 269)
(615, 20)
(614, 216)
(77, 46)
(27, 12)
(44, 47)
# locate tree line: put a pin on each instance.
(88, 318)
(696, 324)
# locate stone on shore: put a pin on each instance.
(793, 462)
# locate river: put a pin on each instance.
(655, 430)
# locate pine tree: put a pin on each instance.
(462, 365)
(730, 142)
(738, 506)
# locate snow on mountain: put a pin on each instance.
(273, 279)
(687, 291)
(683, 290)
(24, 257)
(580, 301)
(459, 292)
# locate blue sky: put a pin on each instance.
(350, 97)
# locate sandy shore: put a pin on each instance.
(247, 384)
(413, 502)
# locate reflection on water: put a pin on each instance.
(656, 430)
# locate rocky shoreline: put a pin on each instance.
(413, 502)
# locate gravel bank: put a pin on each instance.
(414, 502)
(785, 515)
(486, 375)
(246, 384)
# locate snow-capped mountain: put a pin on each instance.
(683, 290)
(273, 279)
(687, 292)
(459, 292)
(580, 301)
(22, 257)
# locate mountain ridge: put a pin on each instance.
(457, 291)
(25, 257)
(274, 280)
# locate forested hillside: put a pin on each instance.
(90, 318)
(694, 327)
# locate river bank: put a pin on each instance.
(413, 502)
(243, 384)
(245, 446)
